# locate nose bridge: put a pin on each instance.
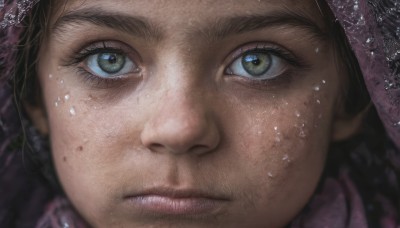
(183, 122)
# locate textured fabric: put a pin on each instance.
(373, 29)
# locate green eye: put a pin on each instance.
(256, 64)
(111, 63)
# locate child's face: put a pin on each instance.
(188, 113)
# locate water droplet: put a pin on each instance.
(356, 7)
(323, 82)
(316, 50)
(61, 81)
(270, 175)
(57, 102)
(72, 111)
(285, 157)
(50, 76)
(318, 102)
(317, 88)
(67, 97)
(260, 132)
(275, 128)
(297, 113)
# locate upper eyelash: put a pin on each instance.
(86, 52)
(275, 50)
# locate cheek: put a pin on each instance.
(282, 150)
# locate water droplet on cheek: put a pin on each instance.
(317, 50)
(317, 88)
(57, 102)
(270, 175)
(50, 76)
(72, 111)
(67, 97)
(277, 134)
(285, 157)
(297, 114)
(302, 130)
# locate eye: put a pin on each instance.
(110, 64)
(257, 65)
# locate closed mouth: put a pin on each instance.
(169, 201)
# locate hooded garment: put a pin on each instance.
(342, 200)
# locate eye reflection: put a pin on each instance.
(111, 62)
(110, 65)
(258, 65)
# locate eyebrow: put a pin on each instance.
(132, 25)
(143, 28)
(242, 24)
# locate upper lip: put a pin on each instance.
(176, 193)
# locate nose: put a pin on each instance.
(181, 125)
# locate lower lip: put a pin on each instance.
(175, 206)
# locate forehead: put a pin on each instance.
(184, 11)
(196, 19)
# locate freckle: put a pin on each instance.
(79, 148)
(65, 159)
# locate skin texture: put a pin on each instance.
(183, 121)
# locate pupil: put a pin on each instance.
(256, 62)
(112, 59)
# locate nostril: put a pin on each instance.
(199, 149)
(154, 147)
